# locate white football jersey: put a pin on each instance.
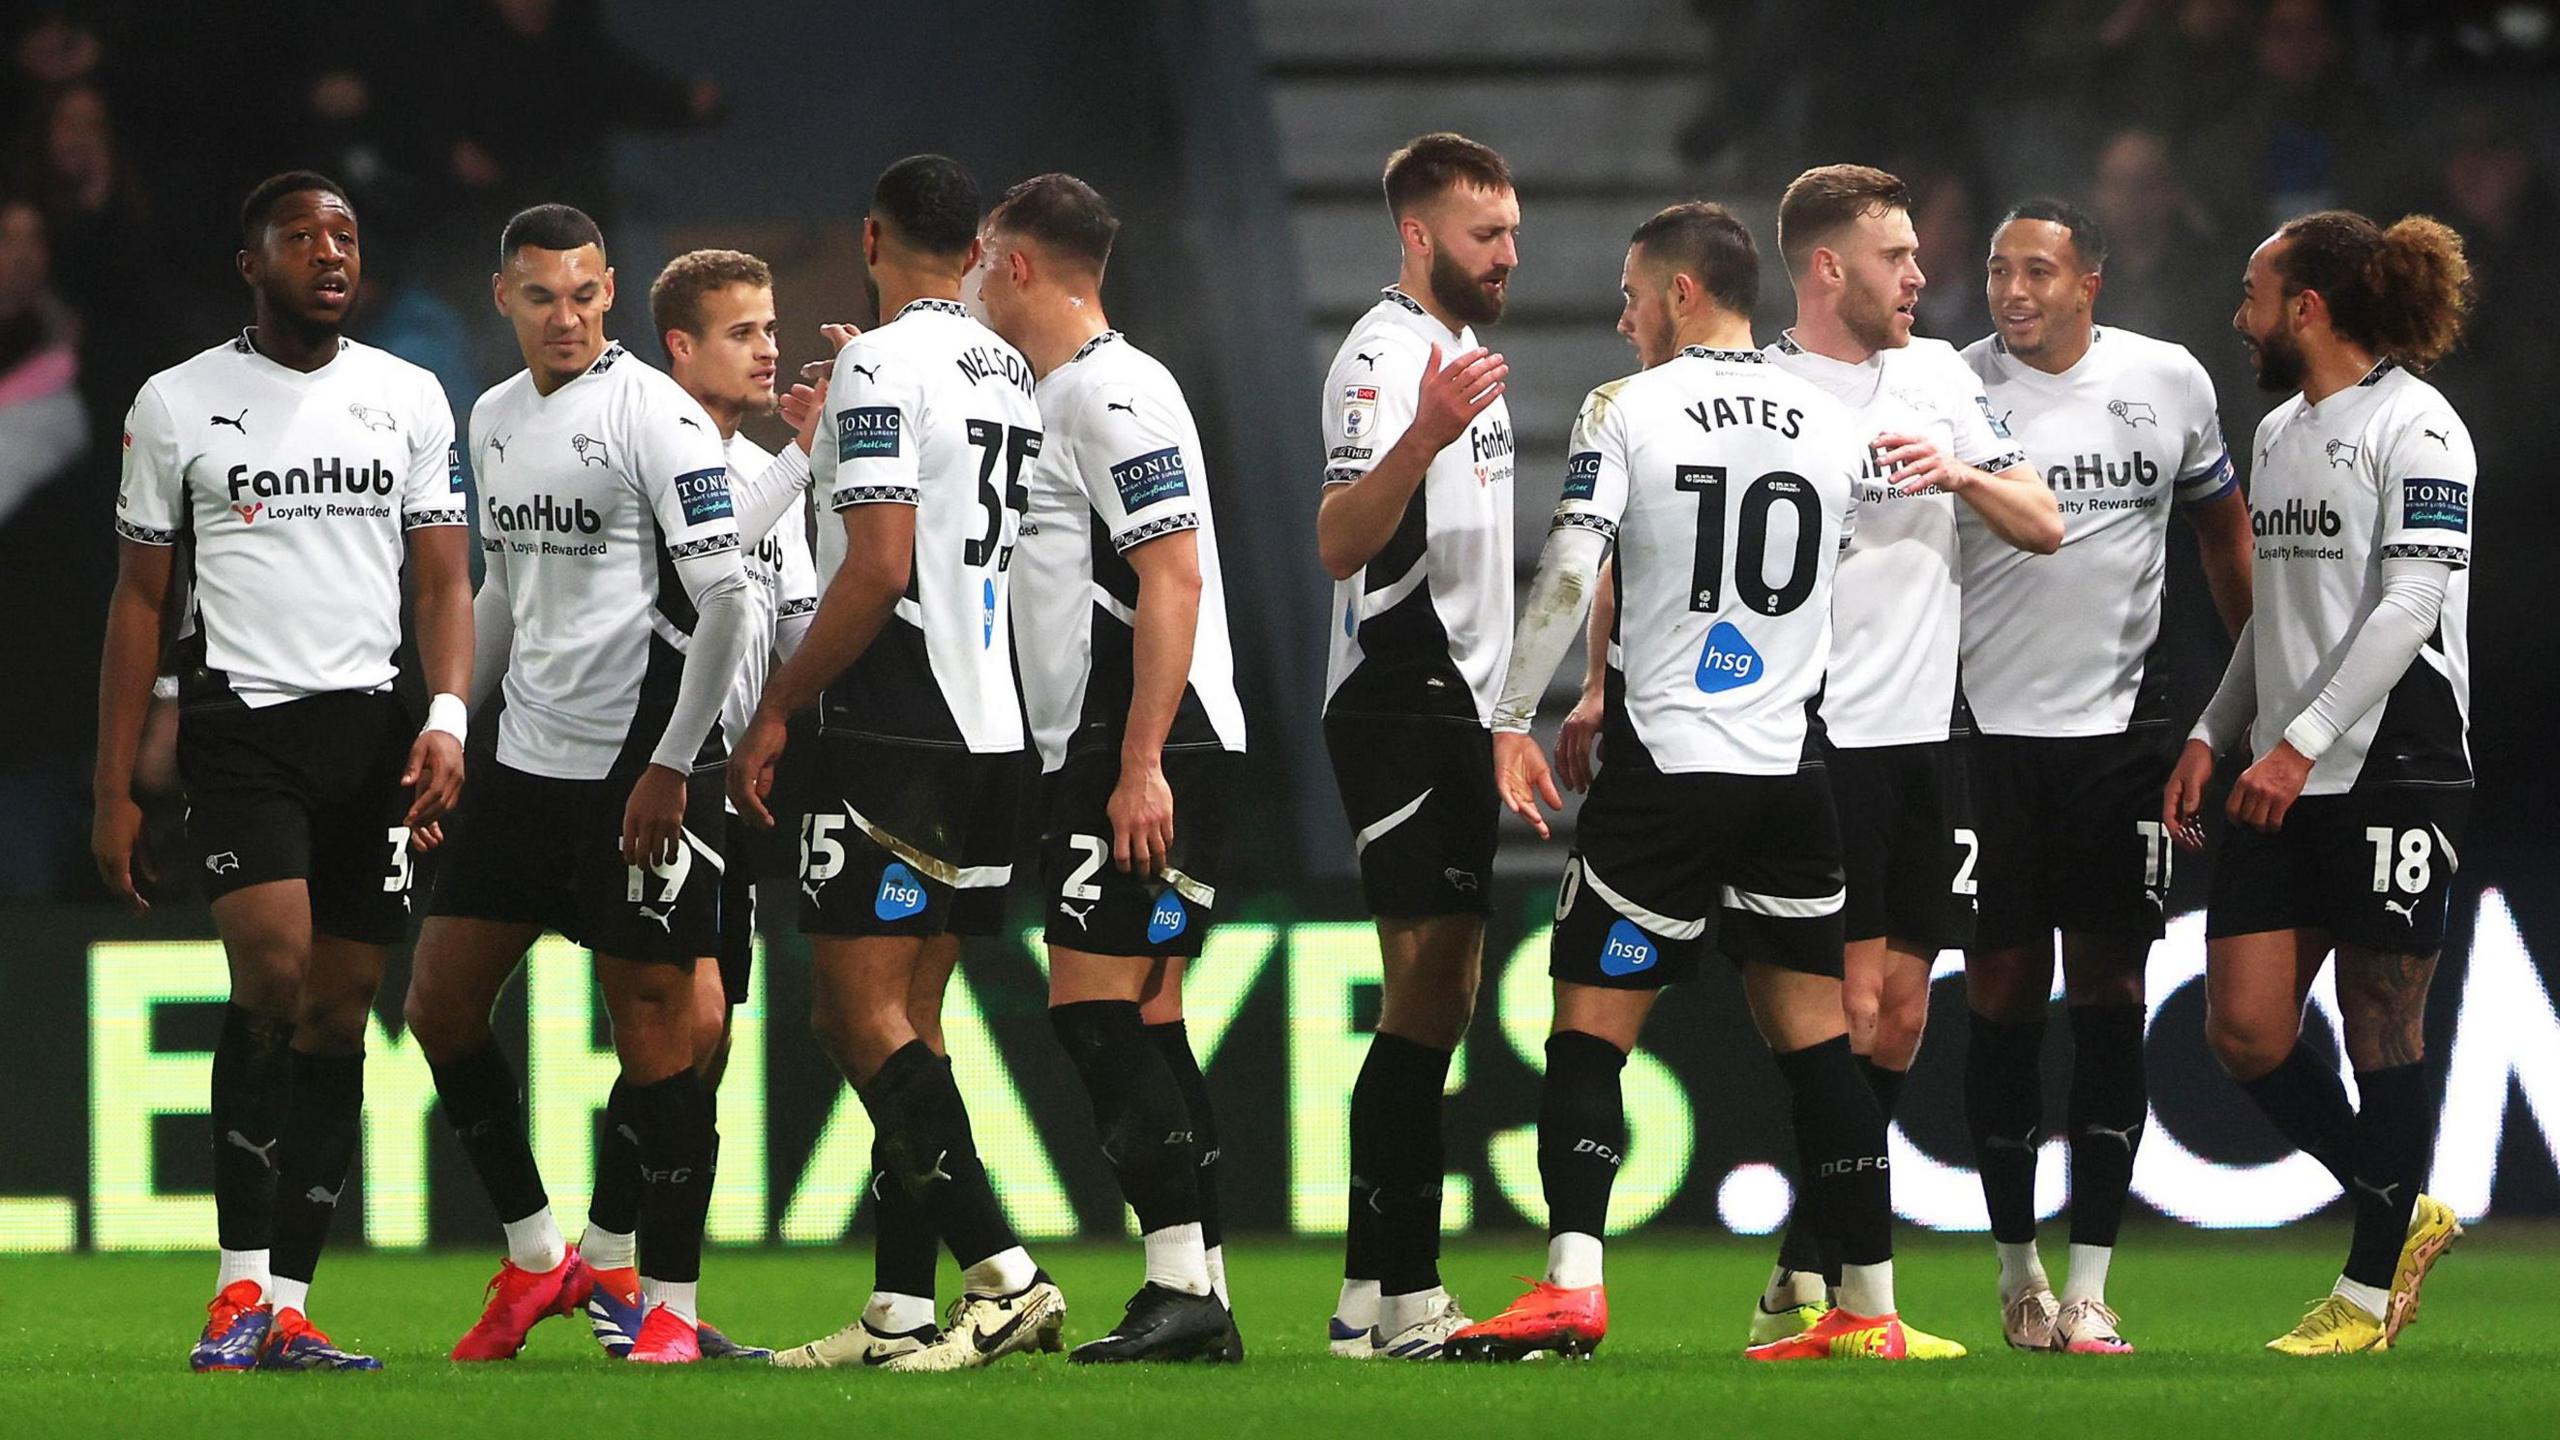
(289, 494)
(1425, 627)
(1896, 609)
(606, 506)
(932, 410)
(2381, 470)
(2060, 644)
(1121, 465)
(1728, 486)
(782, 593)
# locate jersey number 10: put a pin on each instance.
(1751, 543)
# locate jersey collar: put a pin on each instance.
(1424, 319)
(249, 347)
(1096, 343)
(945, 307)
(1739, 357)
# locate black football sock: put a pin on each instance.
(924, 1130)
(1582, 1131)
(1840, 1147)
(252, 1091)
(320, 1130)
(672, 1118)
(482, 1103)
(2110, 1099)
(1173, 1040)
(2394, 1134)
(1405, 1158)
(1363, 1248)
(2004, 1111)
(1885, 1084)
(2308, 1103)
(615, 1205)
(1802, 1248)
(904, 1244)
(1137, 1109)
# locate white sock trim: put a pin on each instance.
(1358, 1305)
(604, 1249)
(1867, 1289)
(1573, 1260)
(1177, 1259)
(2374, 1300)
(681, 1296)
(534, 1242)
(1002, 1273)
(239, 1265)
(1216, 1258)
(896, 1314)
(290, 1295)
(2088, 1277)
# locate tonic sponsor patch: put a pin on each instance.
(1582, 475)
(1151, 479)
(2435, 505)
(704, 495)
(453, 468)
(867, 432)
(1359, 410)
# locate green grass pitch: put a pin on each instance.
(95, 1345)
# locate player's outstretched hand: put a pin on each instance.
(423, 838)
(2182, 803)
(434, 777)
(2266, 791)
(115, 839)
(1913, 463)
(1453, 395)
(1141, 813)
(751, 768)
(1578, 747)
(1521, 774)
(653, 823)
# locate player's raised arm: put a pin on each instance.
(1360, 513)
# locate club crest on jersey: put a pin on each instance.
(2342, 453)
(2133, 413)
(1582, 475)
(1169, 919)
(1728, 662)
(2435, 505)
(1150, 479)
(373, 419)
(1359, 410)
(1626, 951)
(901, 894)
(704, 495)
(867, 432)
(590, 450)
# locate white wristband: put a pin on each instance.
(447, 713)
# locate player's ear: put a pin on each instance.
(870, 242)
(608, 288)
(977, 252)
(248, 264)
(679, 345)
(1417, 236)
(498, 290)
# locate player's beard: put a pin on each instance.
(1870, 323)
(2280, 363)
(1464, 295)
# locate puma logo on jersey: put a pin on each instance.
(318, 1196)
(1083, 918)
(2439, 437)
(370, 418)
(867, 372)
(665, 920)
(810, 889)
(266, 1153)
(2341, 454)
(2124, 1135)
(2405, 909)
(2026, 1142)
(2380, 1193)
(234, 421)
(937, 1172)
(1120, 405)
(2134, 412)
(688, 420)
(223, 863)
(499, 444)
(1365, 358)
(590, 450)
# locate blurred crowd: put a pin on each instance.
(133, 129)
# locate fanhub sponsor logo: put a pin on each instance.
(1490, 441)
(569, 516)
(2296, 518)
(2087, 472)
(326, 475)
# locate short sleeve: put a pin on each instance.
(1368, 405)
(1595, 467)
(1130, 459)
(2204, 461)
(2425, 474)
(870, 439)
(1982, 437)
(798, 595)
(432, 492)
(677, 464)
(151, 495)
